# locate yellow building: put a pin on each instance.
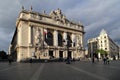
(46, 36)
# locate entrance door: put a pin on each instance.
(69, 54)
(61, 54)
(51, 54)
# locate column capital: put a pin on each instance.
(55, 29)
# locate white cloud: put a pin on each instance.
(8, 14)
(94, 14)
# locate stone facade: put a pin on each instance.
(46, 36)
(104, 42)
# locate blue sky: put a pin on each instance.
(93, 14)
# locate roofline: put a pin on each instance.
(46, 15)
(14, 35)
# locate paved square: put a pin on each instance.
(82, 70)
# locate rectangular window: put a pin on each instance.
(105, 48)
(105, 41)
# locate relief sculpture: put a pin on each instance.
(38, 42)
(38, 37)
(58, 16)
(79, 40)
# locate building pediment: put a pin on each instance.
(58, 16)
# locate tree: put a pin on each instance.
(3, 55)
(102, 52)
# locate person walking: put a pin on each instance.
(107, 60)
(10, 59)
(104, 60)
(30, 60)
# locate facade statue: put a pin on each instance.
(63, 19)
(38, 37)
(22, 7)
(53, 14)
(38, 43)
(78, 41)
(58, 16)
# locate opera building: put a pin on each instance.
(46, 36)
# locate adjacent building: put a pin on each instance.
(104, 42)
(46, 36)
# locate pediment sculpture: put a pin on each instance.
(58, 16)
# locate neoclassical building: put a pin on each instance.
(46, 36)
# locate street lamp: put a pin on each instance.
(67, 46)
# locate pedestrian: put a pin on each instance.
(104, 60)
(10, 59)
(68, 60)
(93, 59)
(107, 60)
(97, 58)
(30, 60)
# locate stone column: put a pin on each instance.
(55, 42)
(57, 54)
(79, 40)
(64, 35)
(29, 36)
(9, 51)
(73, 39)
(55, 38)
(19, 35)
(18, 56)
(29, 41)
(42, 37)
(72, 54)
(65, 52)
(82, 42)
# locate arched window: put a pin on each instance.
(49, 39)
(69, 41)
(60, 39)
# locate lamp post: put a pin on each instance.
(67, 46)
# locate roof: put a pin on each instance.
(103, 32)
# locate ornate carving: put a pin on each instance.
(31, 8)
(58, 16)
(38, 37)
(38, 43)
(79, 40)
(22, 7)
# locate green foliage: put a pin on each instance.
(102, 52)
(3, 55)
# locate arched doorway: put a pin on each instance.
(60, 39)
(69, 54)
(51, 54)
(69, 41)
(60, 54)
(49, 38)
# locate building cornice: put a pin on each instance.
(47, 23)
(47, 16)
